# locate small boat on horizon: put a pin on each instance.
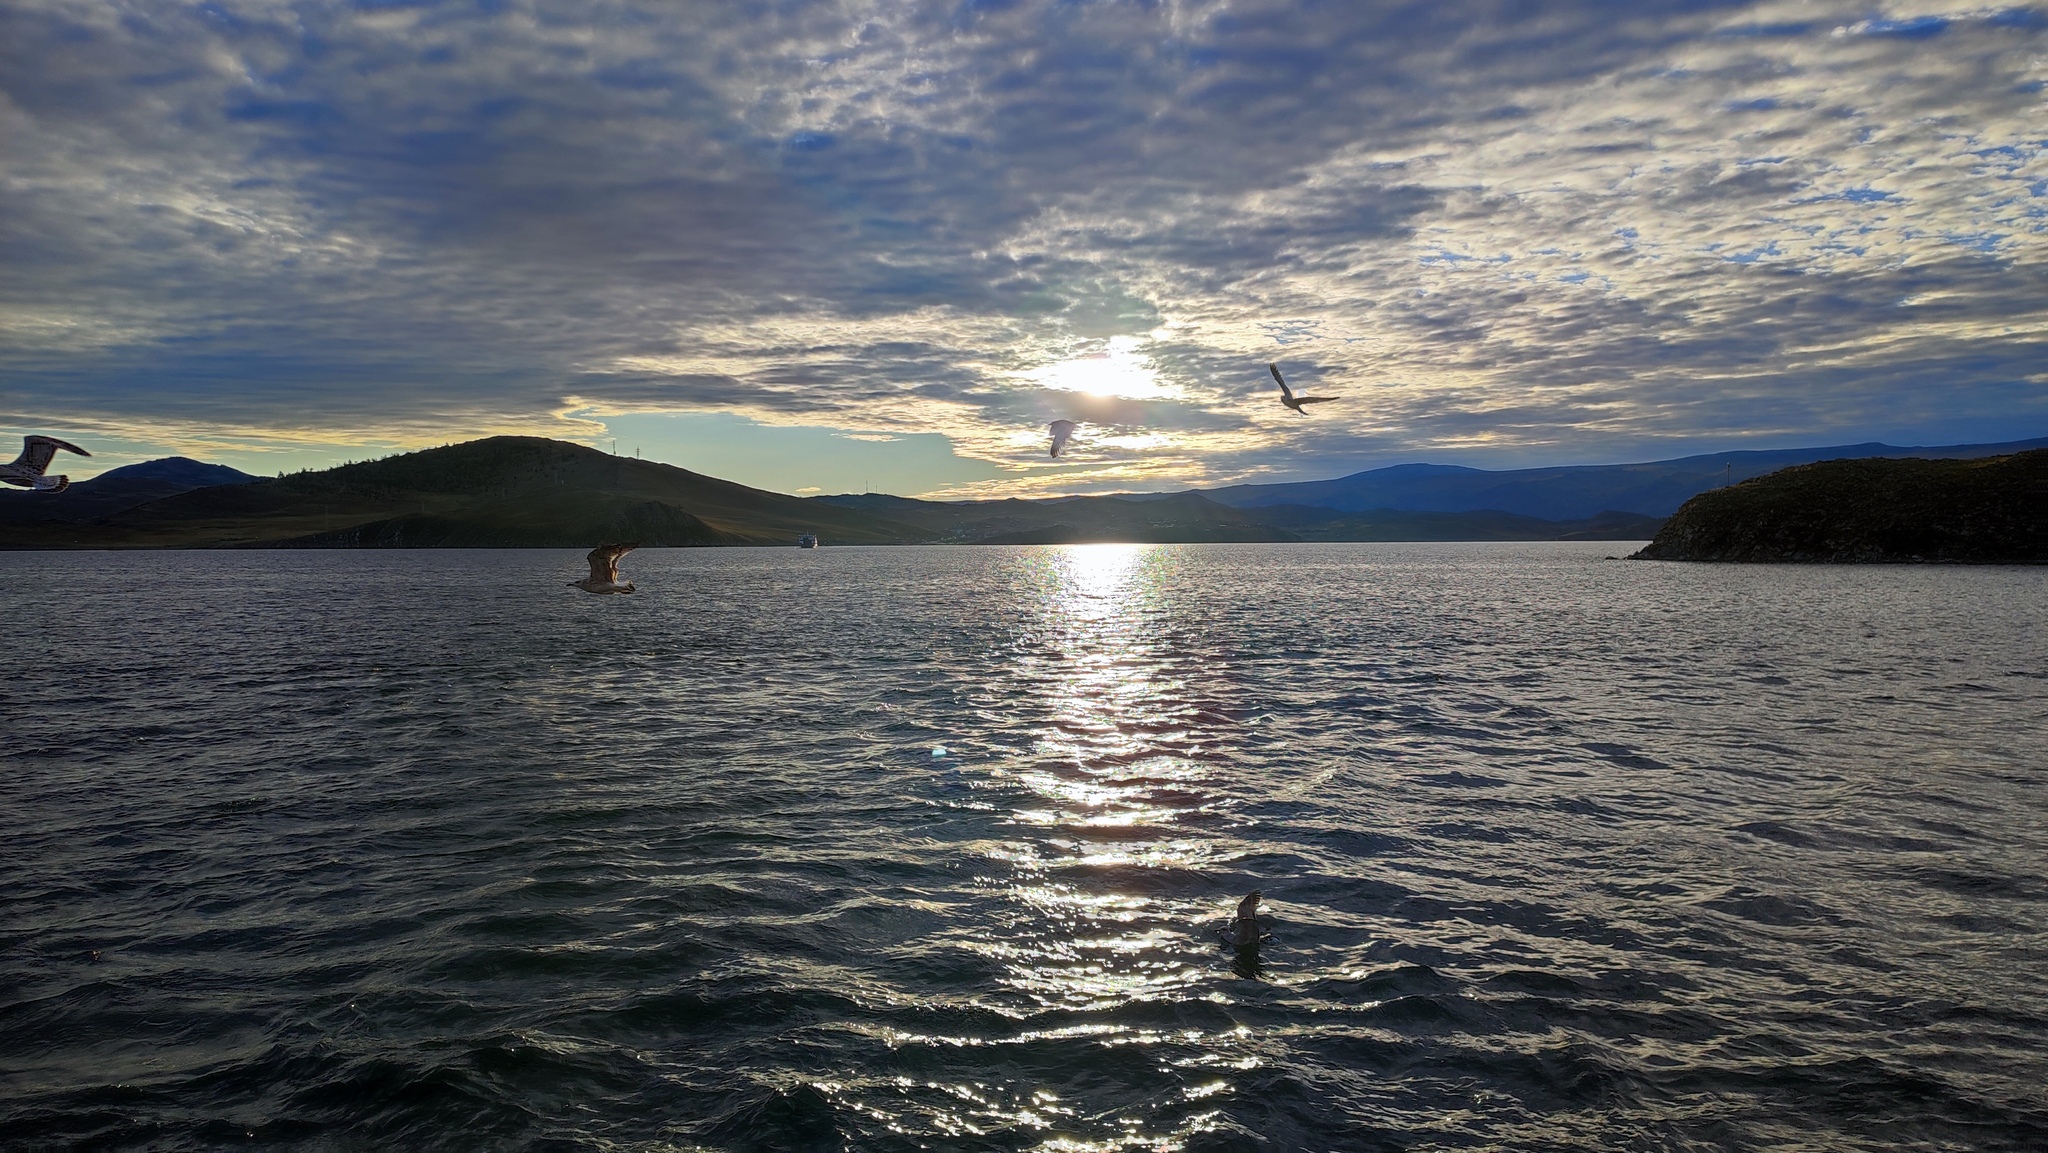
(807, 540)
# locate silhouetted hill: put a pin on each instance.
(176, 470)
(1486, 524)
(1192, 518)
(1954, 511)
(1652, 488)
(1185, 518)
(116, 489)
(503, 491)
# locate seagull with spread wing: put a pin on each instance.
(604, 570)
(36, 454)
(1249, 929)
(1287, 396)
(1062, 432)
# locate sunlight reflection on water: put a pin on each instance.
(1105, 795)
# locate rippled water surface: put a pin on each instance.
(912, 848)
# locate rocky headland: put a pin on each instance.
(1876, 511)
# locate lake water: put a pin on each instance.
(923, 848)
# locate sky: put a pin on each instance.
(878, 244)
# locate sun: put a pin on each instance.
(1120, 371)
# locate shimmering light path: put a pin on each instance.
(922, 848)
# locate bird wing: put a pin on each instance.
(604, 561)
(1315, 399)
(1062, 431)
(38, 451)
(1284, 390)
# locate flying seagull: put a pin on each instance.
(1287, 396)
(36, 454)
(1062, 432)
(604, 570)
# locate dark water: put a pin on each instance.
(922, 848)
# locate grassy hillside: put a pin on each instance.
(503, 491)
(1955, 511)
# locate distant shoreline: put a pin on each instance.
(531, 492)
(826, 547)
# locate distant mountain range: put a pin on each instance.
(529, 491)
(1652, 489)
(1193, 518)
(118, 489)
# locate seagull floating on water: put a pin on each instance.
(1244, 934)
(604, 570)
(1247, 930)
(1062, 432)
(36, 454)
(1292, 401)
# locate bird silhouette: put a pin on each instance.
(1062, 432)
(36, 454)
(604, 570)
(1287, 396)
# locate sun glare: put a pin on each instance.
(1121, 372)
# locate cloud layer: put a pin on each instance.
(1497, 230)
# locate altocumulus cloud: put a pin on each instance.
(1514, 232)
